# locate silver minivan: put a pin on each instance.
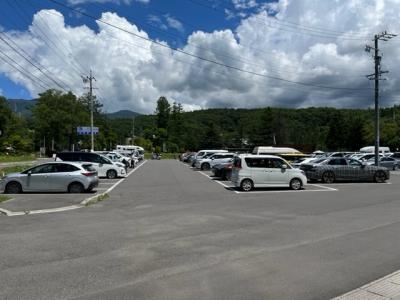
(252, 171)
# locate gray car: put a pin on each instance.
(342, 169)
(387, 162)
(52, 177)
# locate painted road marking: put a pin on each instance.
(322, 188)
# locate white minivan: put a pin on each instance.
(252, 171)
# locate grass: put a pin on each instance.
(13, 169)
(16, 158)
(4, 198)
(99, 198)
(163, 155)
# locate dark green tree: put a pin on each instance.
(162, 113)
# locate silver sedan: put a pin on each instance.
(52, 177)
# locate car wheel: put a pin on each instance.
(13, 188)
(379, 177)
(328, 177)
(246, 185)
(205, 166)
(295, 184)
(111, 174)
(75, 188)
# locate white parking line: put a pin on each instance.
(361, 183)
(322, 188)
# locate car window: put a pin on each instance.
(276, 163)
(257, 162)
(337, 155)
(237, 162)
(354, 162)
(42, 169)
(337, 162)
(88, 167)
(61, 168)
(65, 156)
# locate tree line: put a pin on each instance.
(56, 116)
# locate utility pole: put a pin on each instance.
(376, 76)
(90, 79)
(133, 131)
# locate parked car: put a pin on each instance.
(206, 163)
(52, 177)
(123, 157)
(223, 170)
(205, 153)
(250, 171)
(387, 162)
(104, 166)
(341, 169)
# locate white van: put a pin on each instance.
(250, 171)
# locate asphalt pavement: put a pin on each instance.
(169, 232)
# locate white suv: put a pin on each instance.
(250, 171)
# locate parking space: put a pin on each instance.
(47, 202)
(310, 187)
(228, 185)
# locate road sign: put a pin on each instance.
(85, 130)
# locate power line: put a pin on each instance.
(30, 62)
(308, 32)
(44, 37)
(313, 28)
(61, 42)
(23, 71)
(197, 56)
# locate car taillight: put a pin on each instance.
(88, 174)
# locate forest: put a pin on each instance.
(56, 115)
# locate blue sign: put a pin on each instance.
(85, 130)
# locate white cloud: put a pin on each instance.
(174, 23)
(132, 73)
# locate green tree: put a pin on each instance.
(162, 113)
(56, 116)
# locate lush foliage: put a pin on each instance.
(56, 116)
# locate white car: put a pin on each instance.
(103, 165)
(125, 159)
(217, 158)
(252, 171)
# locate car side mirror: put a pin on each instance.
(212, 158)
(29, 173)
(100, 165)
(284, 167)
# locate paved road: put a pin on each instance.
(167, 232)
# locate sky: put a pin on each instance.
(201, 53)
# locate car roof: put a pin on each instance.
(77, 164)
(259, 156)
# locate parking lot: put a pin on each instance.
(33, 203)
(170, 232)
(310, 187)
